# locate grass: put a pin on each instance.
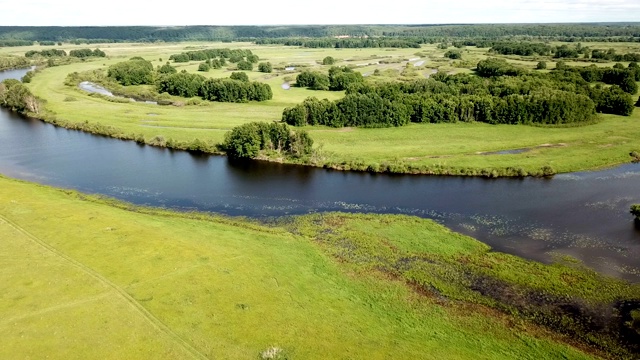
(84, 277)
(420, 148)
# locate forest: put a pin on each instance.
(21, 36)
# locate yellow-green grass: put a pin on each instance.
(82, 278)
(453, 147)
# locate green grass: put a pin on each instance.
(421, 148)
(82, 277)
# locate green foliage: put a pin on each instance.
(340, 78)
(253, 58)
(613, 100)
(85, 53)
(203, 55)
(181, 84)
(132, 72)
(204, 67)
(453, 54)
(369, 110)
(11, 62)
(520, 48)
(635, 210)
(541, 65)
(497, 67)
(248, 140)
(28, 76)
(265, 67)
(225, 90)
(245, 65)
(46, 53)
(167, 69)
(230, 90)
(564, 51)
(313, 80)
(456, 98)
(240, 76)
(328, 60)
(16, 96)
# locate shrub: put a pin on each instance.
(635, 210)
(328, 60)
(248, 140)
(245, 65)
(265, 67)
(239, 75)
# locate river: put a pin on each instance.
(585, 215)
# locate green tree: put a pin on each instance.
(265, 67)
(132, 72)
(204, 67)
(541, 65)
(239, 75)
(453, 54)
(167, 69)
(635, 211)
(245, 65)
(328, 60)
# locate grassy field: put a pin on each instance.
(82, 277)
(431, 148)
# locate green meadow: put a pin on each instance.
(85, 277)
(424, 148)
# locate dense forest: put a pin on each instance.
(501, 94)
(22, 35)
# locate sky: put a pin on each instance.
(282, 12)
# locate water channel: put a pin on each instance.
(585, 215)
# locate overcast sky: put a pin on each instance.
(273, 12)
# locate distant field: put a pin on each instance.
(82, 279)
(458, 147)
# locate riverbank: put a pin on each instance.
(174, 285)
(468, 149)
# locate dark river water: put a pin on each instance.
(585, 215)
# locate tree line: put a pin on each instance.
(16, 96)
(13, 62)
(349, 43)
(11, 35)
(225, 90)
(502, 94)
(519, 48)
(338, 79)
(78, 53)
(233, 55)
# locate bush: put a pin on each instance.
(204, 67)
(635, 210)
(248, 140)
(453, 54)
(132, 72)
(265, 67)
(541, 65)
(245, 65)
(328, 60)
(239, 75)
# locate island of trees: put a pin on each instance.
(501, 94)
